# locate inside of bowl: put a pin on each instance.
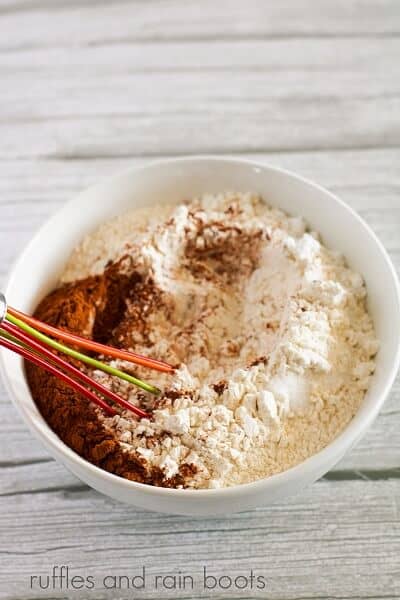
(38, 269)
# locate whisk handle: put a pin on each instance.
(3, 307)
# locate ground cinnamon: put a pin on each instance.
(94, 307)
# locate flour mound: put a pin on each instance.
(270, 329)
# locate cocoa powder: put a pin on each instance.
(94, 307)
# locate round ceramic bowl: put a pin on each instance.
(40, 265)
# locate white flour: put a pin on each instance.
(270, 329)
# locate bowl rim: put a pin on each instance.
(341, 444)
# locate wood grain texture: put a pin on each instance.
(102, 22)
(338, 540)
(90, 87)
(103, 102)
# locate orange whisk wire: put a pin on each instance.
(132, 357)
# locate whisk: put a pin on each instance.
(31, 339)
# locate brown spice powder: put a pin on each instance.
(94, 307)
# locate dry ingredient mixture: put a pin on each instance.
(269, 329)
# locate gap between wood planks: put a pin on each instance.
(240, 152)
(213, 39)
(214, 597)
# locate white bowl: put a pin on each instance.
(39, 266)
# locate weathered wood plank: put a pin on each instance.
(161, 99)
(338, 540)
(52, 22)
(36, 475)
(315, 123)
(103, 101)
(277, 58)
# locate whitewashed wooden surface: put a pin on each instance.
(90, 87)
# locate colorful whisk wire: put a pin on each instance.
(29, 337)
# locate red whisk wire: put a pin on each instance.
(138, 359)
(40, 362)
(39, 347)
